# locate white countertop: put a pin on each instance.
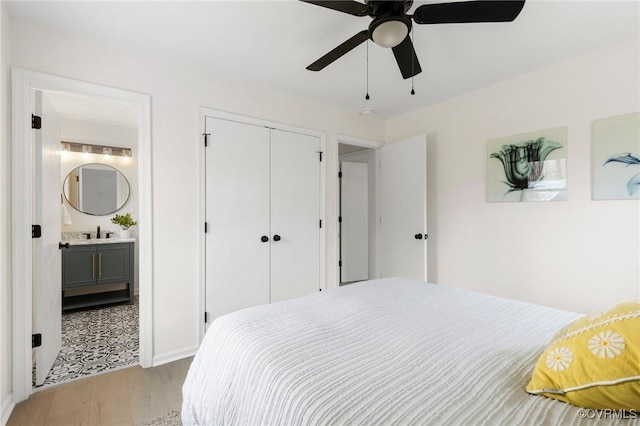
(98, 241)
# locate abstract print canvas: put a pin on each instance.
(528, 167)
(616, 158)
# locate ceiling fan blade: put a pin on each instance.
(406, 58)
(336, 53)
(350, 7)
(468, 11)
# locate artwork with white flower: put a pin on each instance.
(607, 344)
(528, 167)
(616, 158)
(559, 359)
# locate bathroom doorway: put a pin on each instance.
(25, 84)
(97, 142)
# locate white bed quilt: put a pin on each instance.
(381, 352)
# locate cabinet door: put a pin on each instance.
(295, 215)
(237, 214)
(112, 263)
(79, 266)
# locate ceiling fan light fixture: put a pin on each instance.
(389, 33)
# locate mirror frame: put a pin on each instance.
(66, 196)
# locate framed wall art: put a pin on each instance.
(528, 167)
(616, 158)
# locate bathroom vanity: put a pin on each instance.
(97, 272)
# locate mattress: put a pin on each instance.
(380, 352)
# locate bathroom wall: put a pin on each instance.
(100, 133)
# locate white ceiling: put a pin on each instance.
(270, 43)
(100, 110)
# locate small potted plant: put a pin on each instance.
(125, 222)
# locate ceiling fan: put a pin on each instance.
(391, 25)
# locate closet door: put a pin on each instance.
(295, 215)
(237, 213)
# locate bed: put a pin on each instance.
(380, 352)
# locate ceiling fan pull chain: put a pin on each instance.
(367, 95)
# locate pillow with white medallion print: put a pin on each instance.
(594, 362)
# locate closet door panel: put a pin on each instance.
(237, 213)
(295, 215)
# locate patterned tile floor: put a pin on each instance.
(96, 341)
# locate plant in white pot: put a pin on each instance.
(125, 222)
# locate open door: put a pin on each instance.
(402, 207)
(47, 287)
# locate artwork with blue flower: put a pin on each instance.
(616, 158)
(528, 167)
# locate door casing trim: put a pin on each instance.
(24, 82)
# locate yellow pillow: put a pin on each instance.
(594, 362)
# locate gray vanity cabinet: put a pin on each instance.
(96, 274)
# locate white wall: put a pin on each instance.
(578, 254)
(177, 90)
(99, 133)
(6, 404)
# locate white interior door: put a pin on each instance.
(402, 202)
(354, 227)
(47, 300)
(237, 214)
(295, 215)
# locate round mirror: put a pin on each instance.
(96, 189)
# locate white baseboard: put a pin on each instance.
(7, 408)
(174, 356)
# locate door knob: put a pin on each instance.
(276, 237)
(418, 236)
(264, 239)
(65, 245)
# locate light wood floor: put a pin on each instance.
(125, 397)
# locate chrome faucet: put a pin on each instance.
(98, 232)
